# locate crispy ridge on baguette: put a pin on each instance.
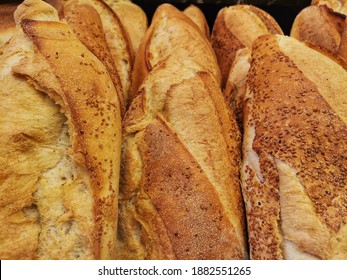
(117, 38)
(339, 6)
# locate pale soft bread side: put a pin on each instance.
(7, 23)
(294, 164)
(179, 194)
(237, 27)
(117, 38)
(133, 18)
(198, 17)
(171, 31)
(235, 87)
(60, 145)
(339, 6)
(320, 26)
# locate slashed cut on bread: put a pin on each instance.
(339, 6)
(323, 27)
(294, 175)
(118, 41)
(133, 18)
(60, 143)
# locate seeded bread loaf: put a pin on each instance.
(294, 151)
(60, 143)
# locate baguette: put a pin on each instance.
(60, 143)
(294, 151)
(180, 196)
(236, 27)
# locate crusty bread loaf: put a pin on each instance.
(321, 26)
(169, 32)
(198, 17)
(236, 27)
(339, 6)
(133, 18)
(179, 194)
(117, 38)
(294, 152)
(60, 143)
(7, 23)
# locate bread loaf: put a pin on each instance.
(294, 152)
(180, 196)
(169, 32)
(236, 27)
(59, 144)
(321, 26)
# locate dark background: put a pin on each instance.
(284, 11)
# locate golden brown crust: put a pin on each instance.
(236, 27)
(171, 31)
(198, 17)
(91, 34)
(339, 6)
(320, 26)
(302, 131)
(169, 165)
(133, 18)
(117, 38)
(186, 201)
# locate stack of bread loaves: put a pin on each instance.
(291, 101)
(121, 140)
